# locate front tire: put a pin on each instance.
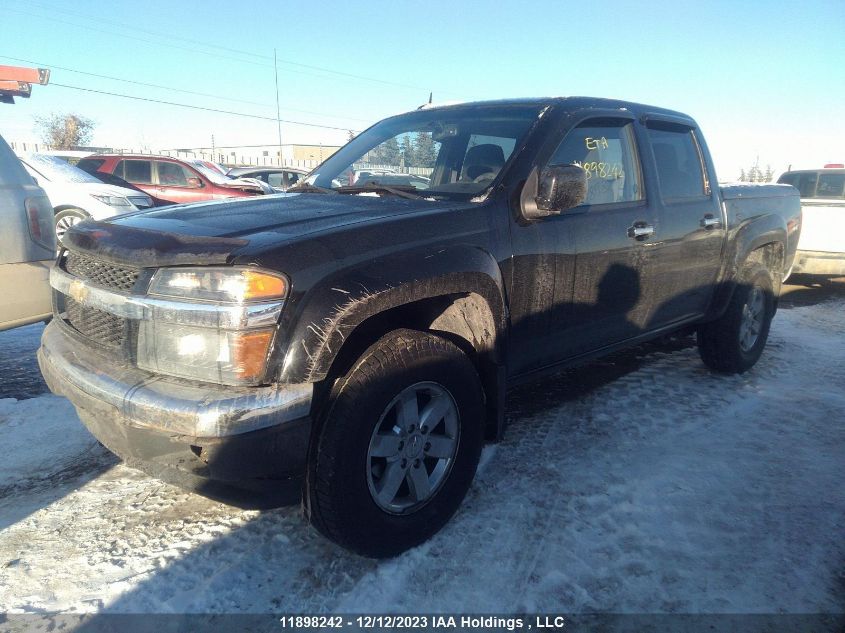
(733, 343)
(398, 445)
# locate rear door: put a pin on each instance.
(139, 172)
(688, 254)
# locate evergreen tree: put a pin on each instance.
(769, 175)
(408, 152)
(387, 153)
(424, 150)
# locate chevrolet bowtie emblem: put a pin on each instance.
(78, 291)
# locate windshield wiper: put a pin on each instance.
(304, 187)
(401, 191)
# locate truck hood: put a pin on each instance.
(209, 232)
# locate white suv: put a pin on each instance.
(27, 245)
(821, 247)
(77, 195)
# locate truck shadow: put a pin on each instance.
(808, 290)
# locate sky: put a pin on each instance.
(764, 80)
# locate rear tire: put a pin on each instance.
(398, 445)
(733, 343)
(66, 218)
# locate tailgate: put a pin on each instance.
(823, 226)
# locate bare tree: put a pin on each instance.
(65, 131)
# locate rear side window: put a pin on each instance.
(275, 180)
(680, 169)
(607, 151)
(136, 171)
(830, 186)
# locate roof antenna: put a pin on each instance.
(430, 95)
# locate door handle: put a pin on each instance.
(640, 231)
(709, 222)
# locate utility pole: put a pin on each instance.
(278, 116)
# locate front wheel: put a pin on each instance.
(733, 343)
(398, 445)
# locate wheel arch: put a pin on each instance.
(466, 307)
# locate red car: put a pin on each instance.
(176, 180)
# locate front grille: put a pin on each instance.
(101, 273)
(102, 327)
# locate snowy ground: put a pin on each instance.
(668, 489)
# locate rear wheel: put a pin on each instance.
(734, 342)
(398, 445)
(66, 218)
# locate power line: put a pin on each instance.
(46, 7)
(201, 94)
(233, 50)
(194, 107)
(130, 81)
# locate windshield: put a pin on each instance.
(54, 169)
(214, 175)
(448, 152)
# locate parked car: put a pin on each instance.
(175, 180)
(280, 178)
(67, 155)
(76, 195)
(367, 341)
(27, 245)
(821, 250)
(111, 179)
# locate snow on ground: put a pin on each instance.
(669, 489)
(21, 377)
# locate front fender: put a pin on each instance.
(331, 311)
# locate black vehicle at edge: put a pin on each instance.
(365, 336)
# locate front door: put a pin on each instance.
(581, 280)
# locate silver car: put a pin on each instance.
(27, 245)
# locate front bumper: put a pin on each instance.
(819, 263)
(224, 433)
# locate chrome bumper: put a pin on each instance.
(97, 384)
(819, 263)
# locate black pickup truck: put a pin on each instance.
(363, 330)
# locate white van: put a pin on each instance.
(77, 195)
(821, 247)
(27, 245)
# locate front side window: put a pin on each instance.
(174, 175)
(606, 150)
(453, 153)
(678, 160)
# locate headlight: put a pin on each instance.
(213, 354)
(225, 357)
(225, 285)
(113, 201)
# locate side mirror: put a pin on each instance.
(557, 189)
